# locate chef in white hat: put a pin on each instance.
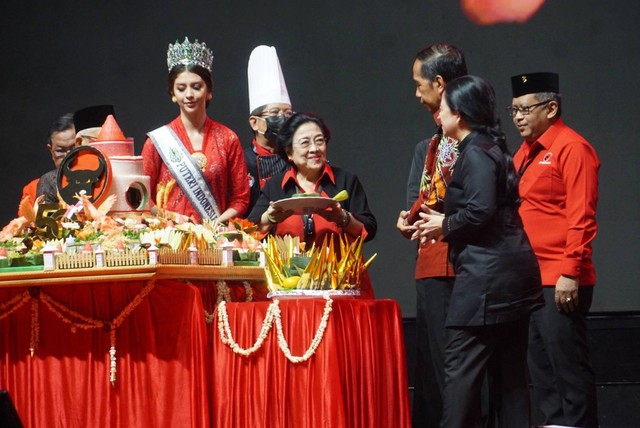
(269, 107)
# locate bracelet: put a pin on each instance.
(346, 219)
(271, 219)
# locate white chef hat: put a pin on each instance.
(266, 82)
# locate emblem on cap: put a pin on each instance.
(533, 83)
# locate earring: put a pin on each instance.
(174, 99)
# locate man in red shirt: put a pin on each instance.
(559, 192)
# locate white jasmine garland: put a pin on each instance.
(273, 313)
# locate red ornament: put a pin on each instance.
(489, 12)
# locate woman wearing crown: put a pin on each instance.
(196, 165)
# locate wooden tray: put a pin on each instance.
(129, 273)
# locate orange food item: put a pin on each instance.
(110, 131)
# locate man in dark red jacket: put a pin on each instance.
(433, 162)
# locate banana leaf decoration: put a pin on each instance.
(326, 268)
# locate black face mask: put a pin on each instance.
(273, 128)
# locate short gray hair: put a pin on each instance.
(550, 96)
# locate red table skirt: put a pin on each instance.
(173, 370)
(161, 355)
(356, 378)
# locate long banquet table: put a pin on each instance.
(171, 367)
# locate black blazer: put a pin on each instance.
(497, 274)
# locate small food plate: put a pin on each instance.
(312, 294)
(304, 205)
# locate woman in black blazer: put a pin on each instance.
(497, 282)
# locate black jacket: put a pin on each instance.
(497, 273)
(260, 168)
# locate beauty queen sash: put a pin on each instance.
(184, 169)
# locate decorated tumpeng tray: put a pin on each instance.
(12, 278)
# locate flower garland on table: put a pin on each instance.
(317, 338)
(223, 294)
(59, 309)
(7, 308)
(248, 291)
(35, 323)
(67, 315)
(227, 337)
(117, 321)
(14, 304)
(273, 314)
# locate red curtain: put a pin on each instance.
(357, 377)
(173, 370)
(162, 359)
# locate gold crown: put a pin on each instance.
(186, 53)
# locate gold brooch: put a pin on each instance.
(201, 160)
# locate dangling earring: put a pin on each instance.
(174, 99)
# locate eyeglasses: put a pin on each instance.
(524, 110)
(274, 112)
(305, 144)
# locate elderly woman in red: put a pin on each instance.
(196, 165)
(303, 141)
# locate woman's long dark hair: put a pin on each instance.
(475, 100)
(291, 125)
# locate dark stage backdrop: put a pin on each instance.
(349, 61)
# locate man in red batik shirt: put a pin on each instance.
(433, 163)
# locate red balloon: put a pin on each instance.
(488, 12)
